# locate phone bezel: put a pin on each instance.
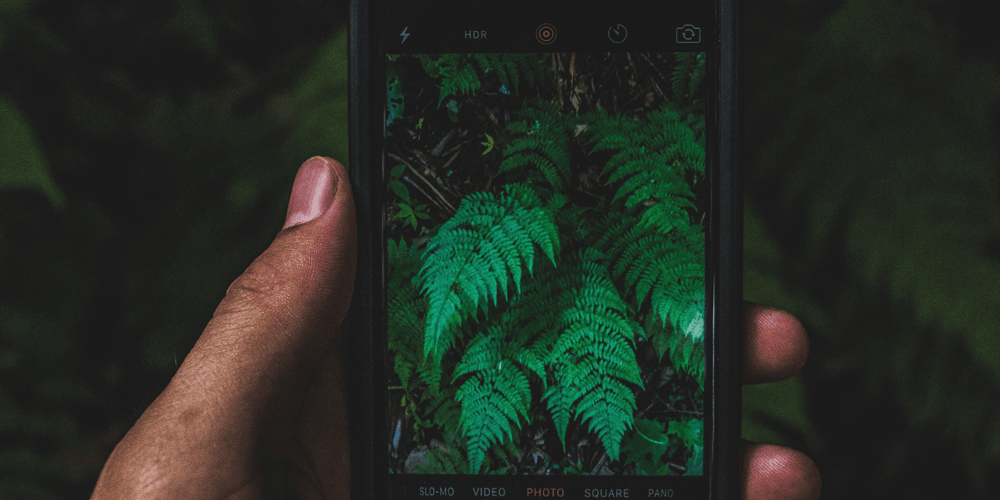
(723, 260)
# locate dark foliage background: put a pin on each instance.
(147, 151)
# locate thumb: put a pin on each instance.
(236, 392)
(280, 316)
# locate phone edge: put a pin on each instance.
(726, 462)
(727, 351)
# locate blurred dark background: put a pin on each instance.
(147, 151)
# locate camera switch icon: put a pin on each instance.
(689, 33)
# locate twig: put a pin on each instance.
(555, 76)
(448, 163)
(670, 408)
(655, 68)
(572, 77)
(600, 463)
(418, 188)
(426, 182)
(443, 142)
(691, 399)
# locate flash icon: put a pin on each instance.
(404, 34)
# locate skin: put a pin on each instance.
(258, 406)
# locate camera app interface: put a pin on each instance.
(546, 281)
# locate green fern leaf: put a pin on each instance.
(407, 313)
(544, 144)
(592, 358)
(495, 395)
(685, 353)
(489, 242)
(445, 411)
(458, 76)
(442, 462)
(668, 270)
(687, 75)
(664, 274)
(651, 161)
(462, 74)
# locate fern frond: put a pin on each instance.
(438, 461)
(462, 74)
(496, 395)
(685, 353)
(407, 311)
(666, 273)
(544, 144)
(687, 75)
(592, 358)
(651, 161)
(489, 242)
(537, 151)
(458, 76)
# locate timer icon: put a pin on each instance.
(617, 34)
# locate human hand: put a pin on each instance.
(775, 347)
(258, 406)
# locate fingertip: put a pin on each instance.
(776, 344)
(777, 472)
(321, 184)
(339, 170)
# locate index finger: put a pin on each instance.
(775, 344)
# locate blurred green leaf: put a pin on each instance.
(397, 171)
(194, 23)
(646, 445)
(875, 218)
(22, 165)
(400, 190)
(8, 6)
(691, 432)
(321, 105)
(776, 412)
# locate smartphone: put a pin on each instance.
(549, 300)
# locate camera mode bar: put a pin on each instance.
(548, 487)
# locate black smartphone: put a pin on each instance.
(549, 295)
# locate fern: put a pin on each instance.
(653, 249)
(438, 461)
(510, 68)
(408, 310)
(522, 329)
(650, 162)
(488, 244)
(687, 75)
(667, 270)
(543, 144)
(462, 74)
(686, 353)
(593, 358)
(568, 329)
(578, 328)
(445, 410)
(496, 394)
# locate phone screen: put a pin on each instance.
(546, 216)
